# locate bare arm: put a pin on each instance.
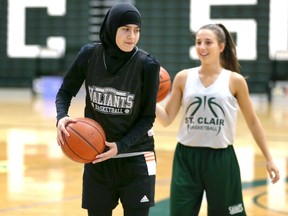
(166, 114)
(240, 90)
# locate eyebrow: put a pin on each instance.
(131, 26)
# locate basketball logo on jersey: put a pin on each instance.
(111, 101)
(204, 114)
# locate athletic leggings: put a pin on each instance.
(127, 212)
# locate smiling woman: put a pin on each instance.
(205, 141)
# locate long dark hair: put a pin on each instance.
(228, 57)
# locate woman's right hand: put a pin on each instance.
(61, 129)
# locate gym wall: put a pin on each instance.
(41, 38)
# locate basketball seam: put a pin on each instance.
(103, 138)
(73, 152)
(84, 139)
(163, 81)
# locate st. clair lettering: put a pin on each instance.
(205, 121)
(211, 121)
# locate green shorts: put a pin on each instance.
(215, 171)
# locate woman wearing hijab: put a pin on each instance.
(121, 83)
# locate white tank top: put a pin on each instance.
(209, 113)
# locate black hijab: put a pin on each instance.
(119, 15)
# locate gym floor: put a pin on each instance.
(37, 179)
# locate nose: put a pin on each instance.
(131, 35)
(202, 45)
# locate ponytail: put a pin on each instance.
(229, 55)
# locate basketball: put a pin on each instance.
(164, 84)
(87, 140)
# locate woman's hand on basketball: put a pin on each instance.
(61, 129)
(113, 150)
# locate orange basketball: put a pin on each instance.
(164, 84)
(86, 140)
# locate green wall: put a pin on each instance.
(165, 34)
